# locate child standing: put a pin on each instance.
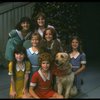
(50, 43)
(19, 70)
(40, 23)
(78, 60)
(33, 52)
(21, 33)
(41, 81)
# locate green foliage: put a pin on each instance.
(64, 16)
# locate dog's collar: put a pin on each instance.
(64, 66)
(64, 71)
(61, 72)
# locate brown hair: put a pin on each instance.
(34, 19)
(24, 19)
(45, 57)
(53, 31)
(40, 14)
(80, 43)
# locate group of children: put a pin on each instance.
(30, 67)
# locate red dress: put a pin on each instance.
(43, 86)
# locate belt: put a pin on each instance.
(34, 66)
(75, 69)
(75, 66)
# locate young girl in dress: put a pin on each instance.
(50, 43)
(78, 60)
(34, 51)
(19, 70)
(41, 81)
(19, 35)
(40, 23)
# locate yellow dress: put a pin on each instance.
(19, 80)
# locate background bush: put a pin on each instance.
(64, 16)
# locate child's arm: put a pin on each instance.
(33, 85)
(10, 72)
(83, 64)
(32, 92)
(13, 93)
(26, 77)
(81, 69)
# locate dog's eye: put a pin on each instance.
(62, 56)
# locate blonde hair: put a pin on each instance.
(37, 35)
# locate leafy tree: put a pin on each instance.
(64, 16)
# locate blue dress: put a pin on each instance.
(15, 38)
(76, 62)
(33, 57)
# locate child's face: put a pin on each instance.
(75, 44)
(48, 35)
(25, 26)
(35, 41)
(41, 21)
(19, 57)
(45, 65)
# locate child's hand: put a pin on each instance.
(26, 94)
(13, 94)
(24, 91)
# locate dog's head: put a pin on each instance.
(62, 59)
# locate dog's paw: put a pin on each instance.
(66, 96)
(73, 91)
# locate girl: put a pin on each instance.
(21, 33)
(19, 70)
(41, 81)
(78, 60)
(50, 42)
(40, 23)
(33, 51)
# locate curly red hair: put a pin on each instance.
(45, 57)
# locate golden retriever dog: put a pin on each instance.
(64, 75)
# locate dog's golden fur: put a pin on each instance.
(65, 81)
